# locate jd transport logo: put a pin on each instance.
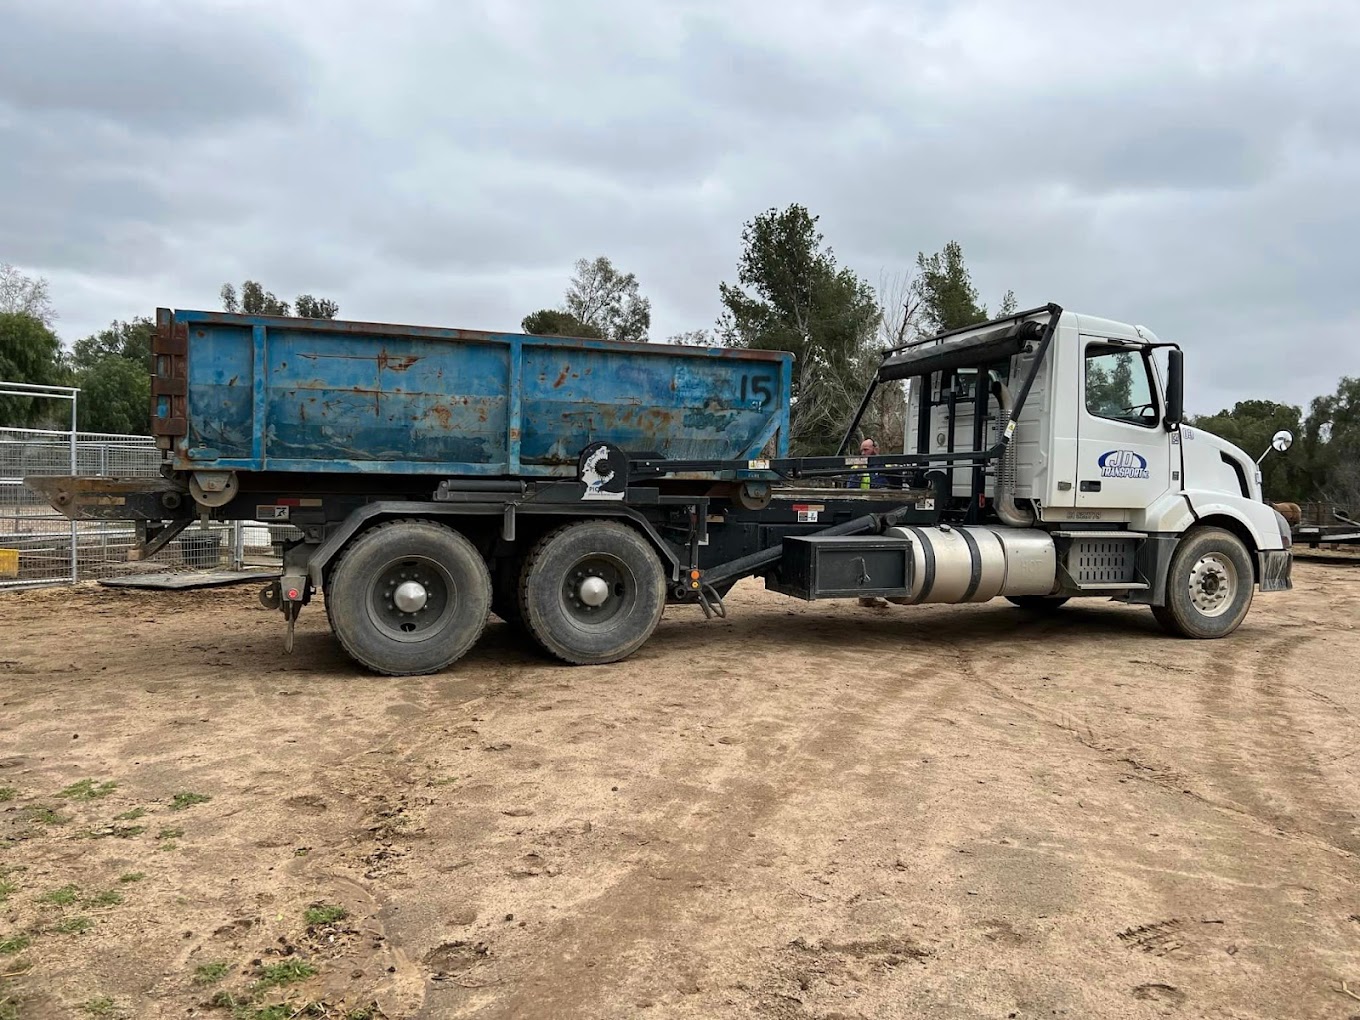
(1122, 464)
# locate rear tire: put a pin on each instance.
(1038, 603)
(1209, 586)
(592, 592)
(409, 597)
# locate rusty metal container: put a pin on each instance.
(266, 393)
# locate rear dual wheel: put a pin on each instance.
(592, 592)
(409, 597)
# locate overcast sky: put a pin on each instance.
(1193, 167)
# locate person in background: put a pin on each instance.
(869, 480)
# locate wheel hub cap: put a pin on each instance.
(410, 596)
(1212, 585)
(593, 591)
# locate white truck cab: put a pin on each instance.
(1138, 506)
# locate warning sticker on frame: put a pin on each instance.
(808, 512)
(271, 513)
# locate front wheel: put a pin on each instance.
(1209, 586)
(409, 597)
(592, 592)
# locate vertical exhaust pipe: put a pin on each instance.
(1005, 504)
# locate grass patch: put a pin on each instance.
(62, 897)
(210, 973)
(87, 789)
(100, 1006)
(9, 1009)
(72, 925)
(168, 845)
(325, 913)
(168, 833)
(108, 898)
(287, 972)
(180, 801)
(131, 876)
(14, 944)
(44, 815)
(130, 816)
(6, 889)
(7, 794)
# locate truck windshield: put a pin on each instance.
(1119, 386)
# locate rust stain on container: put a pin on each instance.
(397, 362)
(444, 415)
(562, 376)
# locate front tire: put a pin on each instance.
(1209, 586)
(409, 597)
(592, 592)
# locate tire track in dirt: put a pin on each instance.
(642, 904)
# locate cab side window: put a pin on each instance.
(1119, 386)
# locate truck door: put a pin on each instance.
(1123, 452)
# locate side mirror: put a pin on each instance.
(1279, 442)
(1175, 387)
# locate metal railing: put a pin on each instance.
(39, 546)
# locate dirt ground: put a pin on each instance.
(804, 811)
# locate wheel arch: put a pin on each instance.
(1237, 527)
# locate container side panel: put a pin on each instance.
(393, 399)
(684, 408)
(221, 385)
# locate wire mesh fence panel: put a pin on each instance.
(40, 546)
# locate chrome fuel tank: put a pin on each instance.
(974, 564)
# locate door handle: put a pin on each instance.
(1090, 486)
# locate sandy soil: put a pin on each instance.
(802, 811)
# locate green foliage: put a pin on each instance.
(169, 833)
(286, 972)
(131, 876)
(130, 815)
(255, 300)
(1249, 426)
(180, 801)
(100, 1006)
(1331, 443)
(88, 789)
(30, 353)
(601, 296)
(792, 296)
(72, 925)
(945, 288)
(7, 793)
(128, 340)
(210, 973)
(555, 322)
(44, 815)
(113, 370)
(324, 913)
(308, 307)
(14, 944)
(7, 889)
(62, 897)
(107, 898)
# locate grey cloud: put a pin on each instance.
(1191, 168)
(163, 65)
